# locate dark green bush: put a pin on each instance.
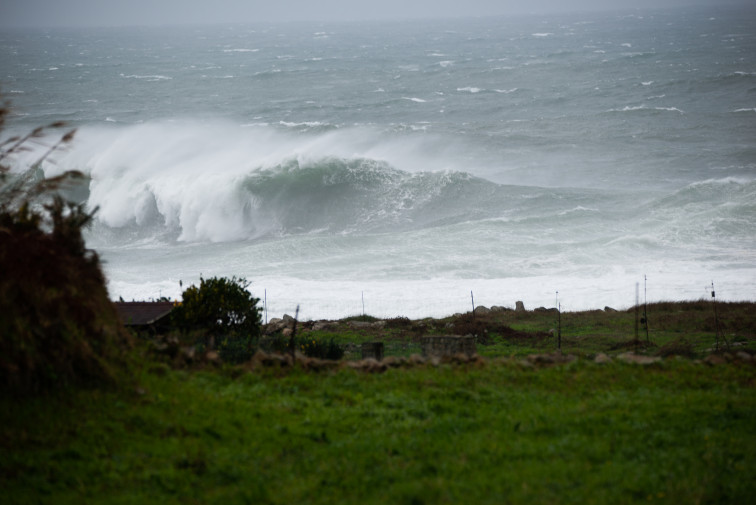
(220, 307)
(57, 324)
(318, 348)
(223, 311)
(310, 347)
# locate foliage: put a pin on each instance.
(309, 345)
(219, 306)
(320, 348)
(57, 324)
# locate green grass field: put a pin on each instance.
(495, 431)
(676, 432)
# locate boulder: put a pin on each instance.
(519, 306)
(609, 309)
(322, 326)
(480, 310)
(360, 324)
(544, 309)
(714, 359)
(744, 356)
(602, 358)
(638, 359)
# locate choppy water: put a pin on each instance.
(411, 163)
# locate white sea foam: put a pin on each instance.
(241, 50)
(148, 77)
(261, 175)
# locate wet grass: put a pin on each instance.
(675, 328)
(679, 431)
(582, 433)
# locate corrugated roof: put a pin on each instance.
(142, 313)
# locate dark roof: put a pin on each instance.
(142, 313)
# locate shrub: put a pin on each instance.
(318, 348)
(219, 306)
(224, 311)
(57, 324)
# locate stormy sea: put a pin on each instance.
(398, 167)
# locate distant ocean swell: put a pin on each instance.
(253, 187)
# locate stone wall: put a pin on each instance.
(448, 345)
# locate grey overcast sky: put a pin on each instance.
(163, 12)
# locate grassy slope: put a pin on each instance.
(683, 328)
(678, 432)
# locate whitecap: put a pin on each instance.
(241, 50)
(647, 83)
(579, 208)
(745, 110)
(470, 89)
(626, 44)
(412, 99)
(446, 63)
(542, 34)
(311, 124)
(506, 91)
(148, 77)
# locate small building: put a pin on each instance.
(151, 317)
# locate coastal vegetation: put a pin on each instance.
(90, 413)
(57, 324)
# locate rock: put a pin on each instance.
(322, 326)
(379, 324)
(360, 324)
(275, 325)
(609, 309)
(743, 356)
(480, 310)
(602, 358)
(287, 332)
(714, 359)
(394, 361)
(638, 359)
(499, 308)
(544, 309)
(416, 359)
(519, 306)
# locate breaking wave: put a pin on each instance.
(189, 184)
